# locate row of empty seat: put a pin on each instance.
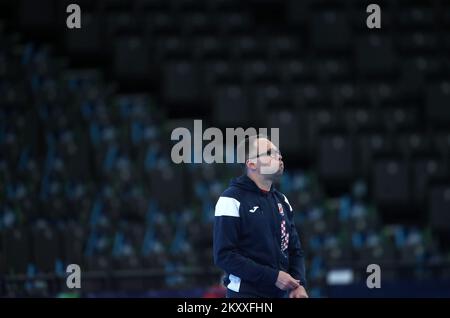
(85, 163)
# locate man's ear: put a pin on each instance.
(251, 164)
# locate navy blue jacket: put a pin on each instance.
(255, 238)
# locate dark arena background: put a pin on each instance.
(86, 116)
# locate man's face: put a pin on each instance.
(266, 160)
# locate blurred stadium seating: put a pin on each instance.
(86, 116)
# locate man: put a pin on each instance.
(255, 240)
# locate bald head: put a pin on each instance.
(260, 155)
(248, 147)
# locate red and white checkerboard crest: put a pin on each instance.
(280, 208)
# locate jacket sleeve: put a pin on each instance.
(226, 246)
(296, 252)
(296, 257)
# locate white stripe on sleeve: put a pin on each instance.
(227, 207)
(286, 200)
(235, 283)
